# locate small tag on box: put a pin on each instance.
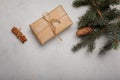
(51, 24)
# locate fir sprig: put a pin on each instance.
(106, 47)
(101, 18)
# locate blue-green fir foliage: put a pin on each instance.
(103, 19)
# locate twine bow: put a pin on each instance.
(51, 23)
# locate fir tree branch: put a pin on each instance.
(78, 3)
(99, 16)
(88, 40)
(114, 2)
(106, 47)
(91, 46)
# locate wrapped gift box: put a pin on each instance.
(51, 24)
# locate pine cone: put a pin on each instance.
(84, 31)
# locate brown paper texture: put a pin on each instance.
(42, 29)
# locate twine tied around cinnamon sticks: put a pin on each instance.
(51, 23)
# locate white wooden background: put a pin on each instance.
(55, 60)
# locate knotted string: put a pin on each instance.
(50, 22)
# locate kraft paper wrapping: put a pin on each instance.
(42, 29)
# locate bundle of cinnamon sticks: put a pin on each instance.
(19, 34)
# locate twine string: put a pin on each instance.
(51, 22)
